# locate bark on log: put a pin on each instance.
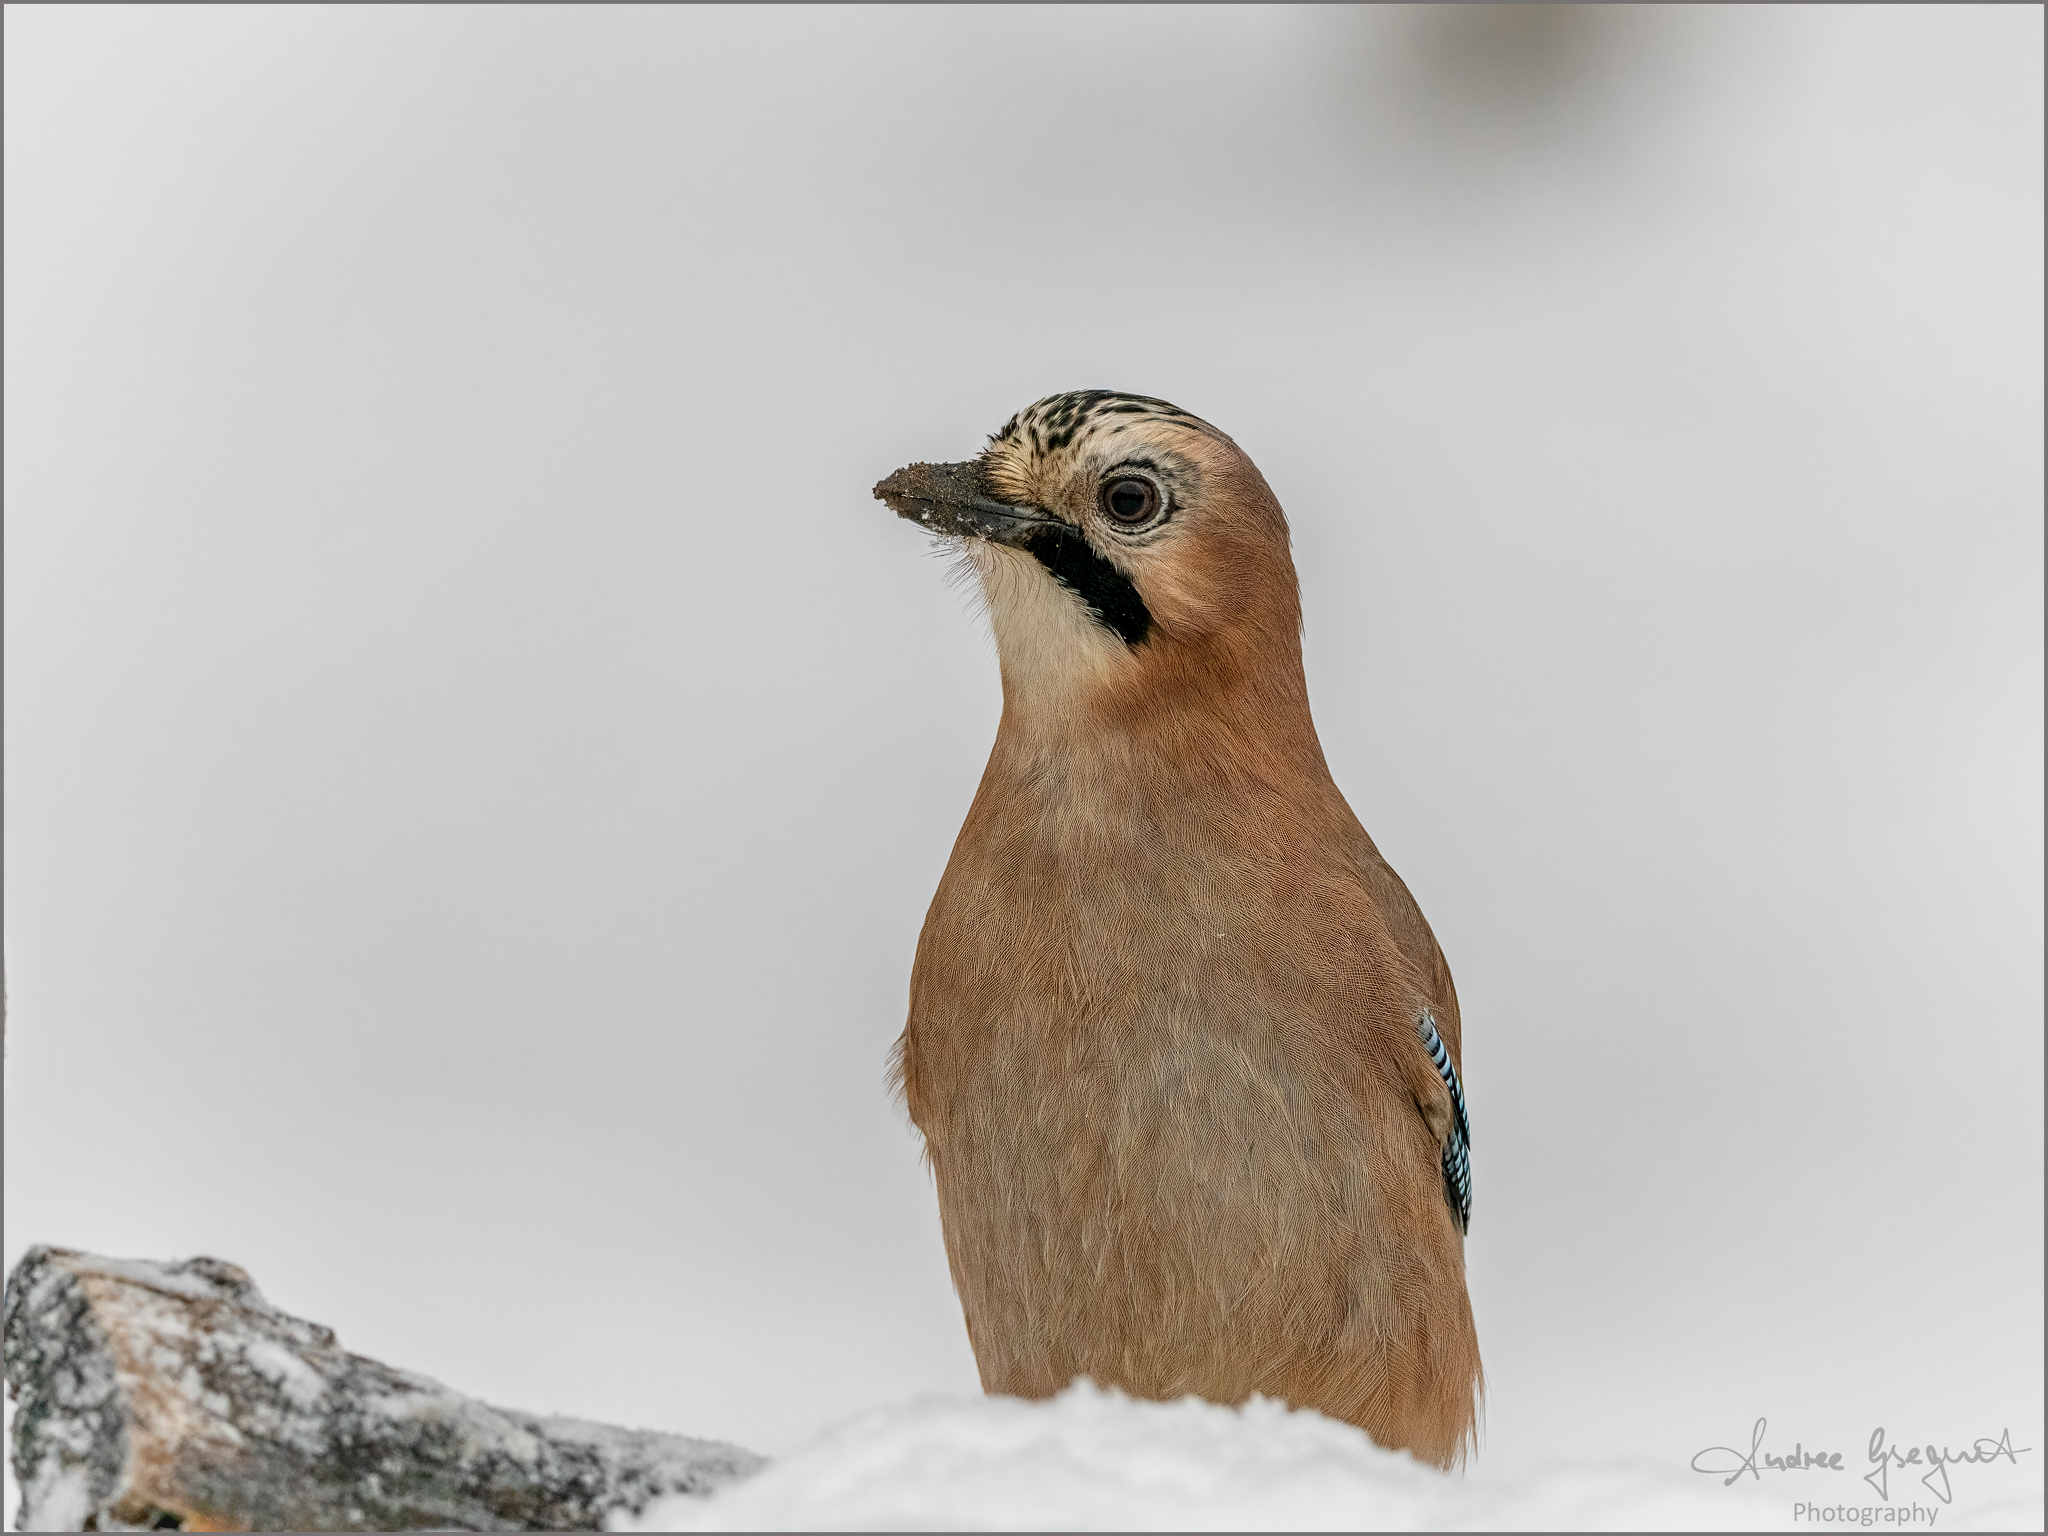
(173, 1396)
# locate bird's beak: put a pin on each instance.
(948, 498)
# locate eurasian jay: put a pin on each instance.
(1183, 1050)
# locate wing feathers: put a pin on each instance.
(1457, 1148)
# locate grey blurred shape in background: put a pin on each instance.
(476, 757)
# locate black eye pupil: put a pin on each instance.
(1132, 501)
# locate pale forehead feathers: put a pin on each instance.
(1058, 420)
(1066, 431)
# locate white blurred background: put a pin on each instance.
(477, 758)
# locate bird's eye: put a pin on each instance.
(1130, 501)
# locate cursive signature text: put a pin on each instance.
(1937, 1461)
(1756, 1461)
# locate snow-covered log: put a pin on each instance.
(173, 1396)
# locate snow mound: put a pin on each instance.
(1094, 1459)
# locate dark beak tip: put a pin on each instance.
(894, 490)
(931, 495)
(894, 484)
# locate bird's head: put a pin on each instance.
(1127, 550)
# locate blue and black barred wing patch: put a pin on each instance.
(1457, 1148)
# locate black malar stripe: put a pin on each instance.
(1112, 600)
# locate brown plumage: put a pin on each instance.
(1163, 1037)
